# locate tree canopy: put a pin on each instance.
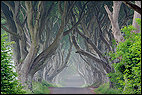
(46, 33)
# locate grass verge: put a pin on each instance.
(104, 89)
(40, 88)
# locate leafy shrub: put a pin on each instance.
(9, 84)
(85, 85)
(104, 89)
(45, 83)
(127, 75)
(40, 88)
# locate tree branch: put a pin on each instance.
(101, 35)
(48, 52)
(93, 45)
(60, 8)
(15, 34)
(114, 20)
(133, 6)
(10, 6)
(85, 53)
(29, 8)
(108, 12)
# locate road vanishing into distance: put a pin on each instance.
(72, 85)
(71, 90)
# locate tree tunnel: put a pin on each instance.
(62, 41)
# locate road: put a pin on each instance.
(71, 90)
(73, 82)
(72, 85)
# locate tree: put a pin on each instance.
(97, 34)
(25, 21)
(58, 64)
(9, 83)
(127, 75)
(37, 27)
(29, 31)
(114, 20)
(92, 49)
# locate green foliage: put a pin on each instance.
(85, 85)
(45, 83)
(127, 75)
(113, 43)
(9, 84)
(3, 21)
(104, 89)
(138, 20)
(96, 84)
(40, 88)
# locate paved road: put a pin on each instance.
(73, 81)
(70, 90)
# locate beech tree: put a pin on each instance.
(26, 25)
(96, 50)
(38, 27)
(137, 14)
(27, 59)
(60, 63)
(113, 16)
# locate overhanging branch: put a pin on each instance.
(132, 6)
(15, 34)
(85, 53)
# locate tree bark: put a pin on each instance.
(136, 15)
(113, 16)
(61, 67)
(135, 7)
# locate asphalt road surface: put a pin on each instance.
(73, 81)
(70, 90)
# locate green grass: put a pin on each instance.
(40, 88)
(85, 85)
(92, 85)
(104, 89)
(58, 85)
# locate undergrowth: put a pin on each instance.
(40, 88)
(104, 89)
